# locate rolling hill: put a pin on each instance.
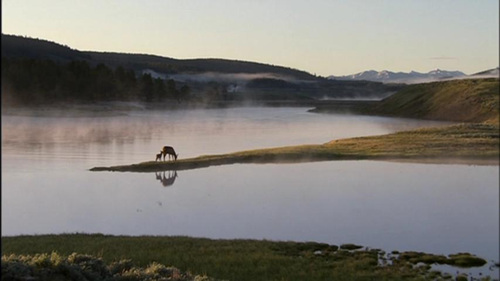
(467, 100)
(17, 46)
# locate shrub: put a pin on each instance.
(85, 267)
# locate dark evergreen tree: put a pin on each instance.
(41, 81)
(147, 87)
(104, 84)
(185, 92)
(160, 91)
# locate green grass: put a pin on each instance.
(459, 260)
(221, 259)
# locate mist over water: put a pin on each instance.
(192, 132)
(47, 188)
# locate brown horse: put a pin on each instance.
(170, 151)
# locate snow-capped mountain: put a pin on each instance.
(401, 77)
(441, 74)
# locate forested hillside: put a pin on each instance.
(17, 46)
(25, 47)
(36, 71)
(42, 81)
(173, 66)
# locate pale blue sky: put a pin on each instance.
(325, 37)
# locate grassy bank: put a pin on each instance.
(239, 259)
(474, 100)
(468, 100)
(465, 143)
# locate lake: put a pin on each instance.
(47, 188)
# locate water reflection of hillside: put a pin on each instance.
(167, 178)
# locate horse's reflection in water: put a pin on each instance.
(167, 178)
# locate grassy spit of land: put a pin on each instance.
(469, 143)
(105, 257)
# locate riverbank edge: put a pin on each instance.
(237, 259)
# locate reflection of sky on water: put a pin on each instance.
(47, 188)
(435, 208)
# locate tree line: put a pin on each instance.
(43, 81)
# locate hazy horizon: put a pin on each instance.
(321, 37)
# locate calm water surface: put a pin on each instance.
(47, 188)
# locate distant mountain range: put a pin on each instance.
(413, 77)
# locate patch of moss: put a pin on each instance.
(302, 249)
(461, 259)
(419, 257)
(465, 260)
(350, 247)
